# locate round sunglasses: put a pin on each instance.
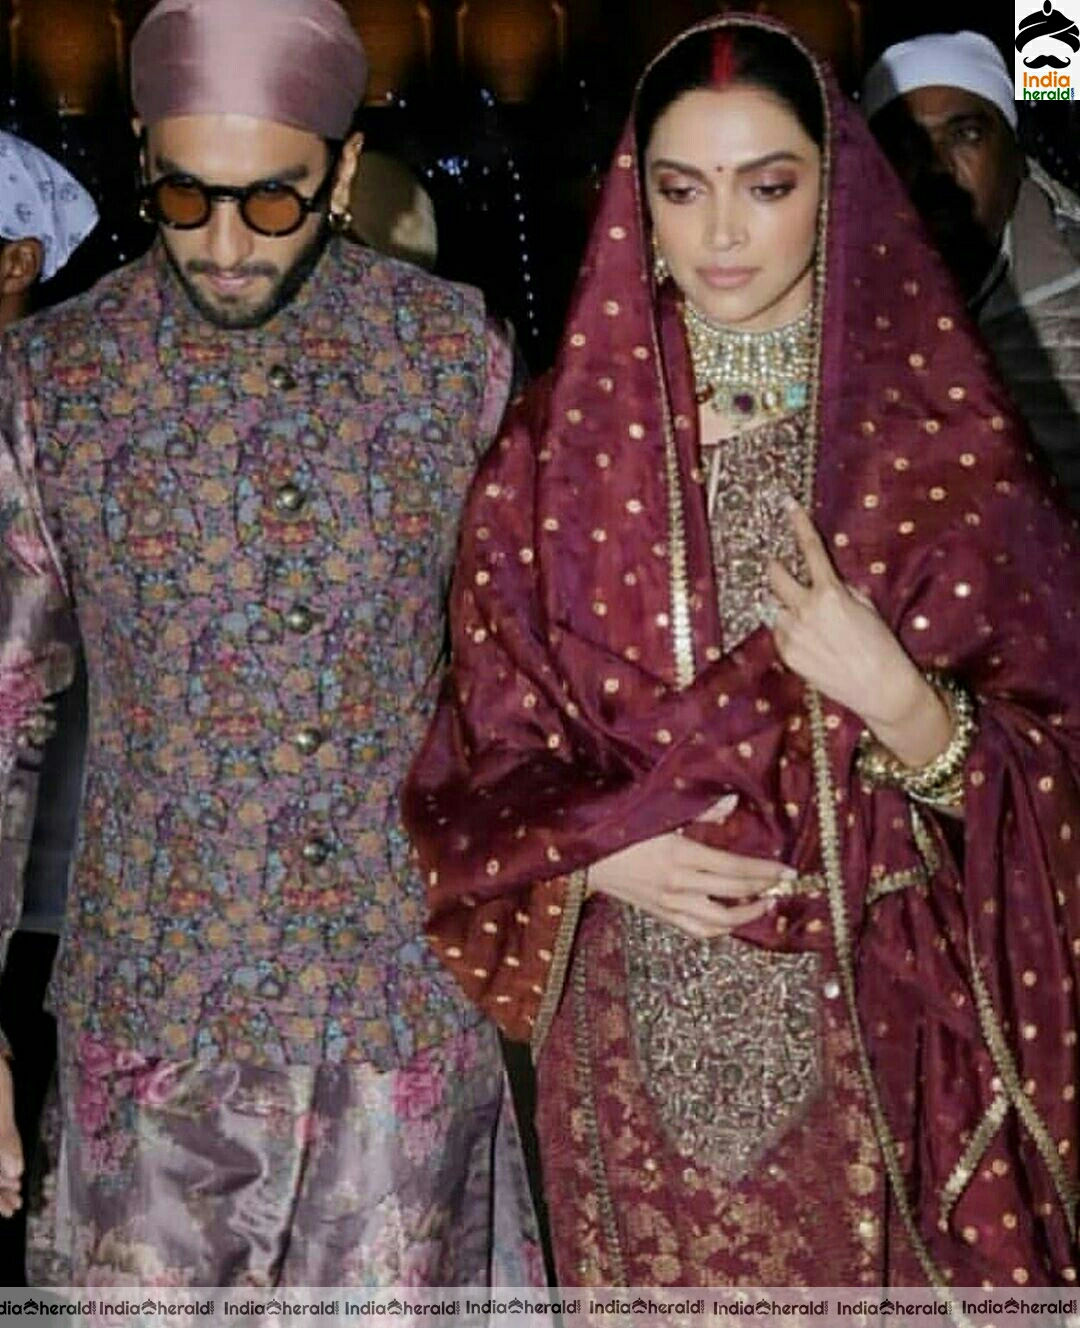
(268, 207)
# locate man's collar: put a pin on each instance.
(1065, 203)
(998, 269)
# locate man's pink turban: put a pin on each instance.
(295, 62)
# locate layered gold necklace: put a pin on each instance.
(751, 374)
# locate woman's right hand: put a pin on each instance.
(703, 891)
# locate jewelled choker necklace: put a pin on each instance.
(750, 373)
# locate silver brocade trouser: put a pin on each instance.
(332, 1175)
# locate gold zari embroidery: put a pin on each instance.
(728, 1040)
(727, 1033)
(894, 882)
(564, 943)
(924, 841)
(682, 630)
(972, 1155)
(750, 476)
(909, 876)
(583, 1059)
(1068, 1193)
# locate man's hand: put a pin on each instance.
(11, 1154)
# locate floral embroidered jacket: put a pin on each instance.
(252, 532)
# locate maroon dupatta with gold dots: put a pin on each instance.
(592, 704)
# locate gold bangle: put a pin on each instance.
(939, 783)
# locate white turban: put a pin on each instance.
(966, 60)
(39, 200)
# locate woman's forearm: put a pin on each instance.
(919, 726)
(923, 747)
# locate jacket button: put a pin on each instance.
(289, 498)
(299, 619)
(308, 741)
(315, 851)
(280, 378)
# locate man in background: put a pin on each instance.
(45, 214)
(942, 107)
(392, 211)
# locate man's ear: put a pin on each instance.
(350, 156)
(20, 265)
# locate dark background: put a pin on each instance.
(508, 110)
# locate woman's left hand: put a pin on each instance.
(836, 640)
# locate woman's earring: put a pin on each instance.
(660, 269)
(145, 213)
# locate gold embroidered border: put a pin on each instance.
(1068, 1193)
(608, 1224)
(909, 876)
(894, 882)
(972, 1155)
(573, 903)
(830, 848)
(812, 883)
(924, 840)
(681, 629)
(682, 635)
(813, 422)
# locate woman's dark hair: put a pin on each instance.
(727, 56)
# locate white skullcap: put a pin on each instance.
(966, 60)
(39, 200)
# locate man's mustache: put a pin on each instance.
(197, 267)
(1040, 61)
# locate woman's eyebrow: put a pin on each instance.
(668, 163)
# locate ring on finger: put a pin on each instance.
(768, 611)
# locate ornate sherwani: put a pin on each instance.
(254, 530)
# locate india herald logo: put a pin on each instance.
(1046, 42)
(1047, 24)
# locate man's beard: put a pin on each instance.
(283, 293)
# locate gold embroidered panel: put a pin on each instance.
(748, 478)
(728, 1038)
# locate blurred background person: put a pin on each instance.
(392, 211)
(45, 214)
(942, 106)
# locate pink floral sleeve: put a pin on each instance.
(37, 631)
(497, 383)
